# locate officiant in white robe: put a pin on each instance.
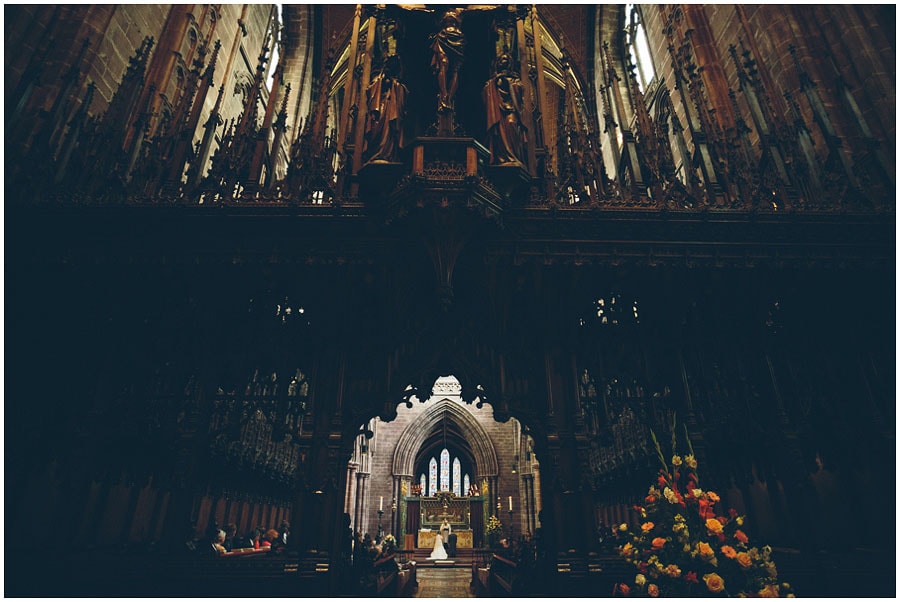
(445, 532)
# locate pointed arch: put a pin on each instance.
(415, 434)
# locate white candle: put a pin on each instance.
(381, 503)
(510, 503)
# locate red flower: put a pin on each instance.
(624, 589)
(732, 513)
(662, 481)
(741, 536)
(650, 499)
(691, 577)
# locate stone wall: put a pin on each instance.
(383, 452)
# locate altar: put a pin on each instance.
(426, 538)
(424, 515)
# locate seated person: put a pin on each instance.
(231, 539)
(269, 539)
(218, 544)
(256, 538)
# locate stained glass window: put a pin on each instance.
(445, 470)
(432, 477)
(457, 487)
(466, 483)
(422, 483)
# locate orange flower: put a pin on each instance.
(713, 497)
(647, 527)
(624, 589)
(729, 552)
(658, 543)
(744, 560)
(714, 583)
(705, 550)
(653, 590)
(741, 536)
(713, 526)
(769, 591)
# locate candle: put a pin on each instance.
(510, 503)
(381, 503)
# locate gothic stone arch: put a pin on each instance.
(412, 438)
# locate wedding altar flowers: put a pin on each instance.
(494, 526)
(686, 546)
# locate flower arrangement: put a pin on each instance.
(686, 548)
(493, 529)
(388, 544)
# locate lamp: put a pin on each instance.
(515, 465)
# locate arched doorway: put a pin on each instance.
(388, 494)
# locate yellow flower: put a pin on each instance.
(714, 526)
(670, 496)
(769, 591)
(640, 580)
(714, 583)
(647, 527)
(627, 549)
(623, 527)
(744, 560)
(676, 460)
(673, 571)
(653, 590)
(705, 551)
(691, 461)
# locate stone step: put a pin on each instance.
(463, 559)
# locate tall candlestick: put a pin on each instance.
(510, 503)
(381, 503)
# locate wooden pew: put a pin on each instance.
(580, 575)
(481, 571)
(503, 576)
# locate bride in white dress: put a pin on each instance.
(438, 553)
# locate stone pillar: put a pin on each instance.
(359, 515)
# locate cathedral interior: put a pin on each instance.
(363, 268)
